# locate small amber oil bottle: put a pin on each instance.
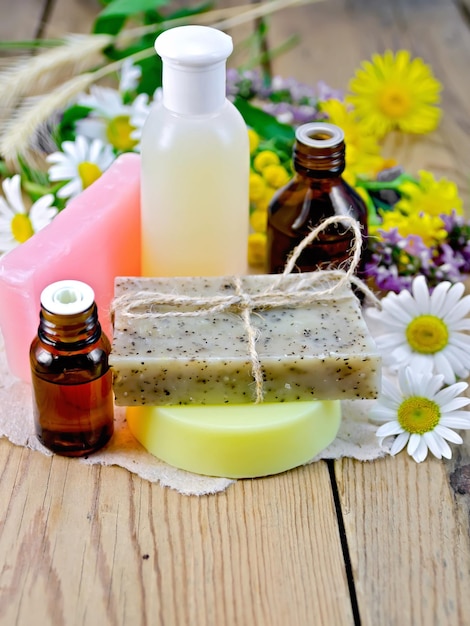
(316, 192)
(72, 384)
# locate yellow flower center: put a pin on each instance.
(427, 334)
(394, 102)
(88, 172)
(21, 227)
(418, 415)
(119, 132)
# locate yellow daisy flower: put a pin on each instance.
(276, 176)
(257, 187)
(395, 92)
(262, 202)
(430, 196)
(256, 248)
(265, 158)
(253, 139)
(429, 227)
(258, 221)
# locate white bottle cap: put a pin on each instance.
(194, 59)
(67, 297)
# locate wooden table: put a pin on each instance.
(380, 543)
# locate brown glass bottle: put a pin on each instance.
(72, 384)
(316, 192)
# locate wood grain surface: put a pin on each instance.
(345, 543)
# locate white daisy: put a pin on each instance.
(80, 163)
(110, 119)
(426, 331)
(130, 76)
(421, 414)
(17, 224)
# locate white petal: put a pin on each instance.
(71, 189)
(442, 366)
(401, 354)
(423, 363)
(399, 443)
(447, 433)
(432, 386)
(449, 393)
(420, 292)
(413, 443)
(62, 172)
(421, 451)
(382, 413)
(453, 296)
(387, 430)
(433, 444)
(390, 340)
(12, 189)
(392, 309)
(459, 311)
(463, 324)
(438, 298)
(456, 421)
(456, 403)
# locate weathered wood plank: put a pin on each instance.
(72, 16)
(83, 544)
(408, 542)
(22, 23)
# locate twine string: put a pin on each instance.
(281, 293)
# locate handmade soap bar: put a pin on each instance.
(95, 238)
(186, 341)
(236, 441)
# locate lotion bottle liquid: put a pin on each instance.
(195, 163)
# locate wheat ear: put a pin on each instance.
(17, 132)
(21, 127)
(40, 73)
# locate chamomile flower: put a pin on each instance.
(110, 119)
(130, 76)
(17, 224)
(420, 414)
(395, 92)
(79, 164)
(426, 331)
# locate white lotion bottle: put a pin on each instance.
(195, 163)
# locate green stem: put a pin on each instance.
(287, 45)
(372, 217)
(378, 185)
(31, 43)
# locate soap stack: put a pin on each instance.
(184, 366)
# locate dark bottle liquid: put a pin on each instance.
(72, 384)
(316, 192)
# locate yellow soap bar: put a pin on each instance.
(236, 441)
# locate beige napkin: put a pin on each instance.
(356, 439)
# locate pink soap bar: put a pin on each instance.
(96, 238)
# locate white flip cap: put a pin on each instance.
(67, 297)
(194, 59)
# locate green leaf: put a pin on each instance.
(65, 130)
(113, 17)
(190, 11)
(263, 123)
